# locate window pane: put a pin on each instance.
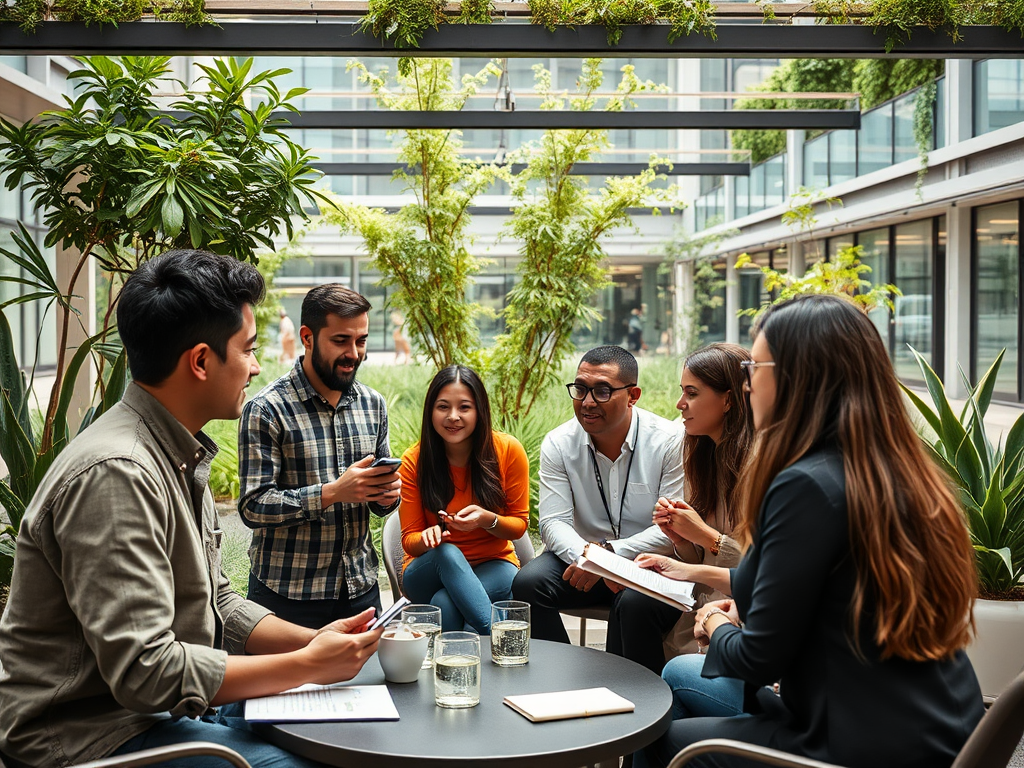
(842, 149)
(875, 254)
(713, 318)
(913, 319)
(816, 163)
(874, 143)
(906, 147)
(998, 94)
(997, 303)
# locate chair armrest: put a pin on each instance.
(742, 749)
(163, 754)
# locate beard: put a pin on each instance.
(329, 374)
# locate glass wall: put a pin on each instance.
(998, 94)
(713, 319)
(915, 275)
(875, 254)
(996, 310)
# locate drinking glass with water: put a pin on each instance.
(510, 633)
(457, 670)
(426, 619)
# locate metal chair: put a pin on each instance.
(165, 754)
(990, 746)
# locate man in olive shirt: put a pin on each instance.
(120, 620)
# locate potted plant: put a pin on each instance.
(990, 479)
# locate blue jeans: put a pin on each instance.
(443, 577)
(228, 728)
(692, 696)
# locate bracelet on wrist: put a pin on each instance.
(709, 614)
(493, 525)
(716, 547)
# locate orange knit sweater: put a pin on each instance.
(478, 545)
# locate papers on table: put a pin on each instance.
(318, 703)
(597, 559)
(562, 705)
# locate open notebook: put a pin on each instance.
(562, 705)
(597, 559)
(321, 703)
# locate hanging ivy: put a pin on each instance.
(924, 128)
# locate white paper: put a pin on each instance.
(316, 703)
(599, 560)
(562, 705)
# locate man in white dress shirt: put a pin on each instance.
(600, 477)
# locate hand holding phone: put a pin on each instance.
(387, 461)
(389, 613)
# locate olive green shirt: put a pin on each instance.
(119, 613)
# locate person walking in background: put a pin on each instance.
(403, 349)
(287, 337)
(601, 474)
(465, 499)
(719, 432)
(635, 331)
(856, 587)
(122, 631)
(305, 445)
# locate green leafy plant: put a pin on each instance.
(403, 21)
(28, 14)
(924, 129)
(560, 225)
(989, 478)
(684, 17)
(118, 183)
(423, 249)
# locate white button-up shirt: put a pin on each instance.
(570, 508)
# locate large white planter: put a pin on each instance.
(997, 653)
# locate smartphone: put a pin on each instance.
(387, 461)
(389, 613)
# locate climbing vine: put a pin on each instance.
(28, 14)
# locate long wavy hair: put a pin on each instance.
(433, 474)
(908, 539)
(712, 470)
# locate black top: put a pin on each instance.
(492, 734)
(793, 591)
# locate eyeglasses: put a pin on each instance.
(602, 393)
(750, 365)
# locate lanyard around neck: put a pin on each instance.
(600, 489)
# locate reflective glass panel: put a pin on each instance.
(998, 94)
(816, 163)
(914, 276)
(875, 254)
(997, 303)
(903, 128)
(842, 151)
(874, 141)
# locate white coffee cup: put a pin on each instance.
(400, 652)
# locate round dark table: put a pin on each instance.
(492, 733)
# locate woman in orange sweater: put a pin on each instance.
(465, 499)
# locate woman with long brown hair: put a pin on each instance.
(719, 432)
(857, 582)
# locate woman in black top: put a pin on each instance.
(856, 587)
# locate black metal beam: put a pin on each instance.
(304, 37)
(767, 119)
(580, 169)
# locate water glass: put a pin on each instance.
(457, 670)
(510, 633)
(426, 619)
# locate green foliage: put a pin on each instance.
(29, 13)
(402, 21)
(475, 12)
(877, 80)
(423, 249)
(989, 478)
(560, 225)
(707, 281)
(924, 128)
(843, 275)
(684, 17)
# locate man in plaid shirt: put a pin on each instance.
(305, 447)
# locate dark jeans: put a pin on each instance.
(312, 613)
(635, 626)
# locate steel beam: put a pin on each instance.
(580, 169)
(321, 37)
(766, 119)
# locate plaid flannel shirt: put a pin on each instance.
(290, 442)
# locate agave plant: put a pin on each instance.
(990, 478)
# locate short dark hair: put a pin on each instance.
(331, 299)
(617, 356)
(179, 299)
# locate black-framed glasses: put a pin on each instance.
(750, 365)
(601, 393)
